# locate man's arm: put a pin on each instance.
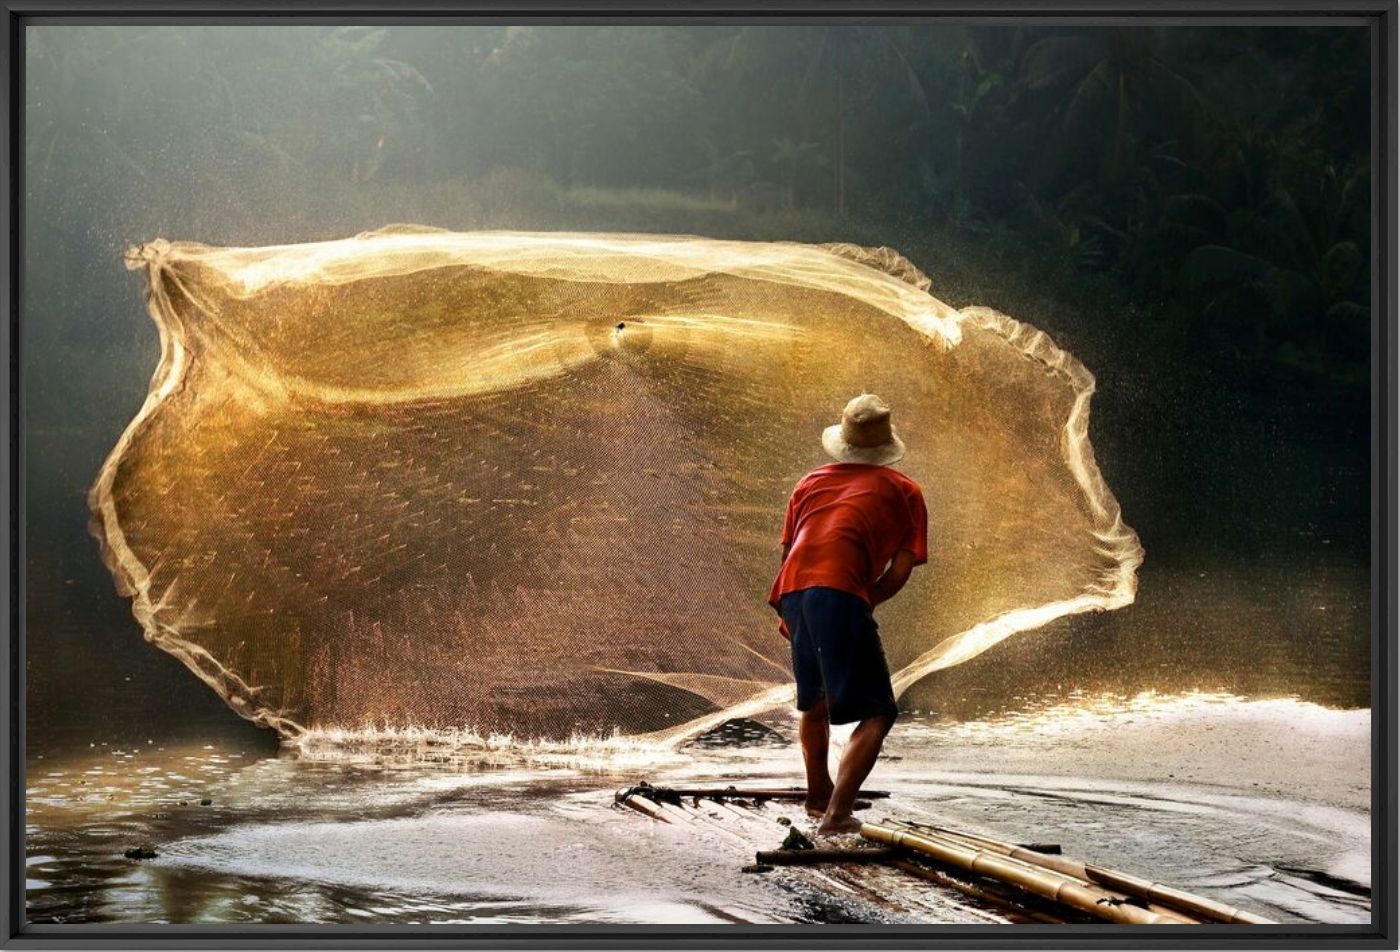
(782, 624)
(888, 584)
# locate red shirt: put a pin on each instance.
(845, 522)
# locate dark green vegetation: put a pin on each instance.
(1186, 209)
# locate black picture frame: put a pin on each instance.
(1380, 16)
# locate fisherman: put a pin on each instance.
(853, 532)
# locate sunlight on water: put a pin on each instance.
(1086, 712)
(425, 747)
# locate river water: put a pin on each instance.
(1263, 803)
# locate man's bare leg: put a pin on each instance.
(815, 733)
(857, 761)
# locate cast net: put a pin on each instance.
(533, 483)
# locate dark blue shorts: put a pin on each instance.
(836, 654)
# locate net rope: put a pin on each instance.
(532, 484)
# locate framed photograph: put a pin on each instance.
(774, 475)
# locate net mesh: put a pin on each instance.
(533, 483)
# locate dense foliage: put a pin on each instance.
(1220, 176)
(1187, 209)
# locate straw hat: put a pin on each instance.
(864, 434)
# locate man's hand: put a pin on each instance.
(888, 584)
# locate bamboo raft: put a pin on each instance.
(1021, 882)
(730, 793)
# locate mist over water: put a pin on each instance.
(1230, 417)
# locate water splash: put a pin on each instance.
(417, 747)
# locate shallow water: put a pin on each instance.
(1261, 803)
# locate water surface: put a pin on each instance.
(1261, 803)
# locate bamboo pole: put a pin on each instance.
(1154, 892)
(1059, 864)
(630, 800)
(1170, 896)
(1073, 868)
(998, 898)
(1047, 883)
(758, 793)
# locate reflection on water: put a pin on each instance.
(1210, 792)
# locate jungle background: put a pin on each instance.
(1187, 210)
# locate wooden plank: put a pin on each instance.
(664, 793)
(869, 854)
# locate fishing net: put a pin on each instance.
(533, 483)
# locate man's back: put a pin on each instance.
(844, 522)
(853, 533)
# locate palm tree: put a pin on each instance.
(1291, 274)
(839, 55)
(840, 52)
(790, 156)
(387, 97)
(1113, 79)
(728, 172)
(975, 85)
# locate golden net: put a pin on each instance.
(533, 483)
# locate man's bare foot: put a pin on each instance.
(843, 824)
(816, 810)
